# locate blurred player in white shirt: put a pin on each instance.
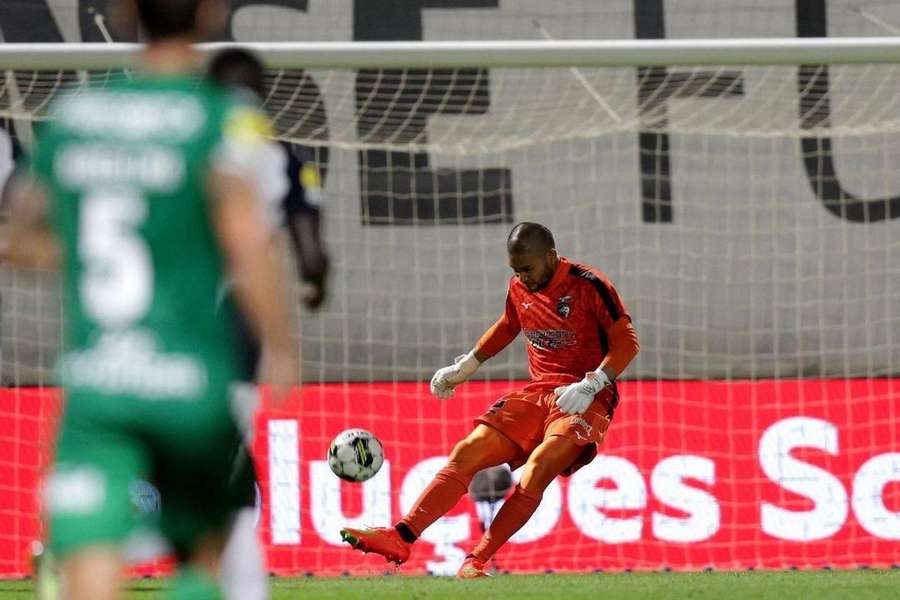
(290, 190)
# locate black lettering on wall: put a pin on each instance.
(302, 5)
(815, 112)
(653, 148)
(91, 29)
(655, 86)
(34, 22)
(28, 22)
(393, 105)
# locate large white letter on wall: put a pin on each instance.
(587, 501)
(325, 501)
(868, 496)
(284, 481)
(667, 483)
(820, 486)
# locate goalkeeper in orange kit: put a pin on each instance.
(579, 340)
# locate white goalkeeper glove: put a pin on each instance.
(574, 399)
(447, 378)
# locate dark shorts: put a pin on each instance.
(187, 451)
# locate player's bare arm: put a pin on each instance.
(496, 338)
(29, 242)
(258, 287)
(312, 260)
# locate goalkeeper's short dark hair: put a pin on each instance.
(161, 19)
(237, 67)
(529, 238)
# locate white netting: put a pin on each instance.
(738, 190)
(388, 107)
(748, 215)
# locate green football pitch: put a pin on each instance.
(793, 585)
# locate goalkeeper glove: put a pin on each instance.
(575, 398)
(447, 378)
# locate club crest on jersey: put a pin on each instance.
(563, 307)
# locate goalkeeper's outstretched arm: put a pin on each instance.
(499, 335)
(258, 286)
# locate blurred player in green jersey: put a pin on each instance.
(144, 194)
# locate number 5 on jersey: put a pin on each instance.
(116, 284)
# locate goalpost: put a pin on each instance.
(743, 195)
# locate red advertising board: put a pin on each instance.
(730, 475)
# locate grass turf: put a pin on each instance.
(821, 585)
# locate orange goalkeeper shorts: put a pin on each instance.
(528, 418)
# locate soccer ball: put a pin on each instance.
(355, 455)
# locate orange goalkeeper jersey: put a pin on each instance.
(574, 324)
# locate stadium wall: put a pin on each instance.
(727, 249)
(764, 474)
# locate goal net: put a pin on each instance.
(749, 214)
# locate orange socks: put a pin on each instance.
(442, 494)
(514, 513)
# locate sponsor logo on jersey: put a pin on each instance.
(153, 166)
(168, 116)
(552, 339)
(131, 362)
(576, 420)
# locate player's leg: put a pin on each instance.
(483, 447)
(569, 443)
(194, 518)
(197, 577)
(243, 571)
(88, 503)
(198, 548)
(506, 433)
(92, 573)
(550, 459)
(195, 462)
